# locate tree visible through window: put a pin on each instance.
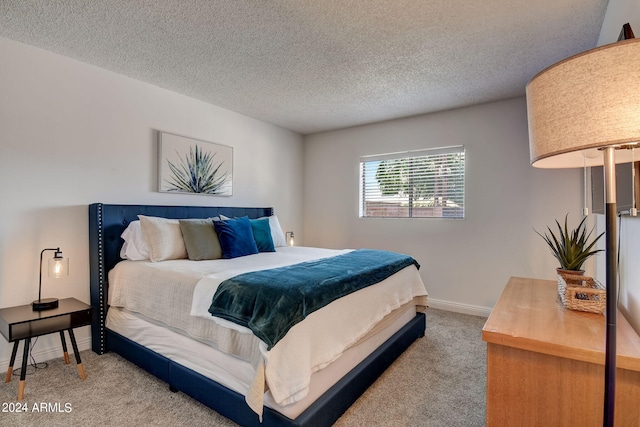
(424, 183)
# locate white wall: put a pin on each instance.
(72, 134)
(465, 264)
(620, 12)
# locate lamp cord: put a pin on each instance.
(585, 209)
(32, 361)
(618, 285)
(633, 209)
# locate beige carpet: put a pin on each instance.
(438, 381)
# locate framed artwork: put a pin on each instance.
(191, 166)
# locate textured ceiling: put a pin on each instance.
(316, 65)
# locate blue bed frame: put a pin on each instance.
(106, 224)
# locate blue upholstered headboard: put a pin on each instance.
(106, 224)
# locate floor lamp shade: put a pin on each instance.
(585, 111)
(586, 102)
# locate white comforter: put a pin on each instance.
(187, 288)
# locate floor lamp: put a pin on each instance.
(585, 111)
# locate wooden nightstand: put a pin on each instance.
(23, 323)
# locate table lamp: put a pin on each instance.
(291, 238)
(58, 267)
(585, 111)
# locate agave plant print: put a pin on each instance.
(189, 165)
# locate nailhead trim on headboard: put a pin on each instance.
(101, 309)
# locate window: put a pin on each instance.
(413, 184)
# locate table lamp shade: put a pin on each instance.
(583, 103)
(58, 267)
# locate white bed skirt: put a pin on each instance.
(237, 374)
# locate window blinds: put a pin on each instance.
(413, 184)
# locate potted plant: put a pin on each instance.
(573, 248)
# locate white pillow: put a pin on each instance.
(276, 232)
(134, 248)
(163, 237)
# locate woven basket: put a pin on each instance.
(582, 293)
(571, 277)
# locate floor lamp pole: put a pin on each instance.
(611, 284)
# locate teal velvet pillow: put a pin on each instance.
(236, 237)
(200, 239)
(262, 235)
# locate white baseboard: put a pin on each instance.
(473, 310)
(44, 354)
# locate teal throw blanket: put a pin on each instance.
(270, 302)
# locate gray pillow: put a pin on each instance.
(200, 239)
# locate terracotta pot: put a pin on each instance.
(570, 275)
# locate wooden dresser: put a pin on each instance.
(545, 364)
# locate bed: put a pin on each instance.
(332, 387)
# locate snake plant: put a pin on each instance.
(573, 248)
